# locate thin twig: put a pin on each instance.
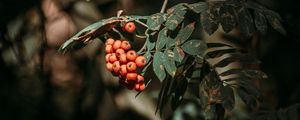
(163, 8)
(143, 24)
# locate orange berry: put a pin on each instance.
(142, 87)
(109, 66)
(109, 49)
(119, 51)
(137, 87)
(131, 55)
(140, 61)
(109, 41)
(107, 57)
(122, 58)
(131, 77)
(125, 45)
(131, 66)
(113, 58)
(117, 44)
(129, 27)
(140, 78)
(116, 66)
(123, 70)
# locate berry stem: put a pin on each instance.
(143, 24)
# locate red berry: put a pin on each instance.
(129, 27)
(125, 45)
(140, 61)
(131, 55)
(131, 66)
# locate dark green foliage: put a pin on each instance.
(180, 59)
(158, 66)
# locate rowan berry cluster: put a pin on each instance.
(123, 62)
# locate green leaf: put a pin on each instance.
(260, 22)
(245, 21)
(228, 100)
(175, 19)
(170, 42)
(150, 44)
(148, 55)
(158, 66)
(90, 32)
(198, 7)
(227, 18)
(169, 62)
(210, 21)
(178, 54)
(274, 20)
(194, 47)
(155, 20)
(185, 33)
(162, 39)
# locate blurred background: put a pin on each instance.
(37, 83)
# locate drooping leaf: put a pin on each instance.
(274, 20)
(198, 7)
(162, 39)
(90, 32)
(185, 33)
(210, 21)
(154, 21)
(175, 19)
(260, 22)
(227, 17)
(228, 100)
(158, 66)
(249, 99)
(245, 21)
(178, 54)
(179, 92)
(169, 62)
(163, 95)
(194, 47)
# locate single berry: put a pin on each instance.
(119, 51)
(140, 78)
(129, 27)
(131, 55)
(131, 77)
(109, 66)
(137, 87)
(140, 61)
(109, 41)
(142, 87)
(116, 66)
(113, 58)
(122, 58)
(125, 45)
(123, 70)
(117, 44)
(107, 57)
(109, 49)
(131, 66)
